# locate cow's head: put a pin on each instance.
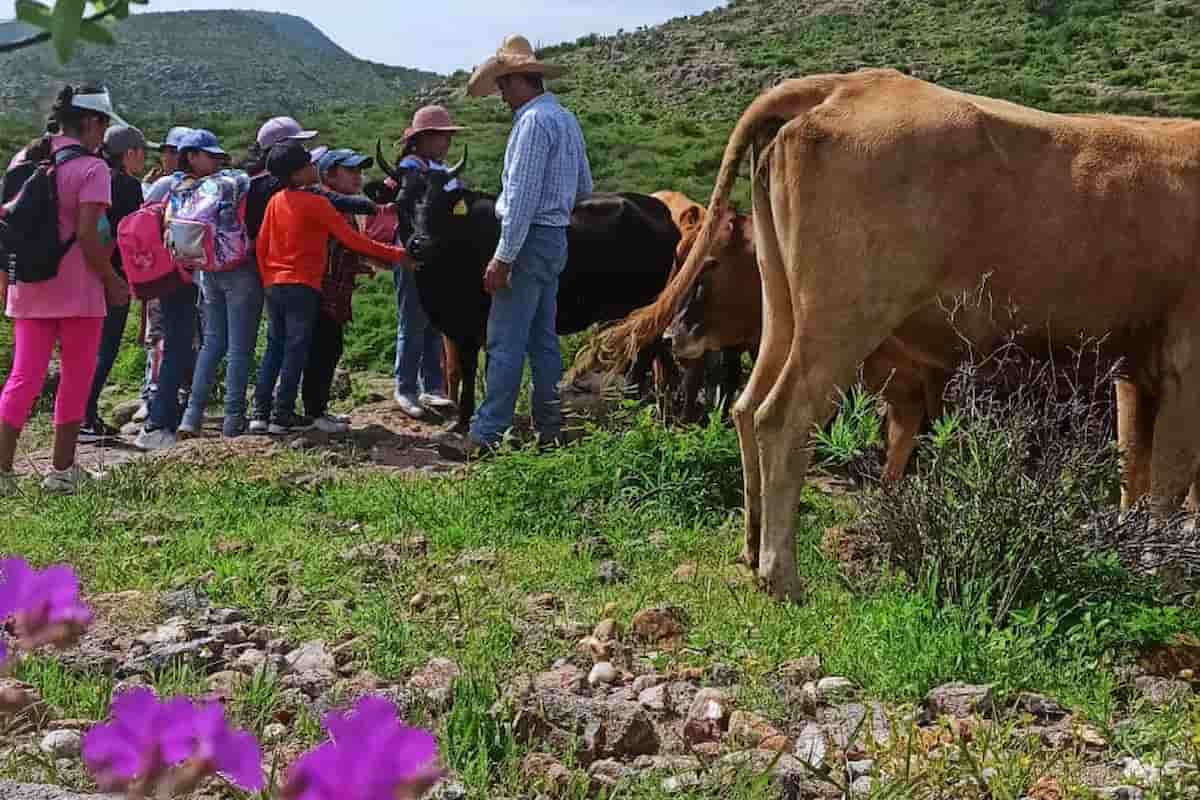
(723, 307)
(432, 203)
(405, 187)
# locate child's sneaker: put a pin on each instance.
(260, 427)
(435, 400)
(69, 480)
(97, 431)
(330, 424)
(187, 430)
(283, 424)
(157, 439)
(409, 405)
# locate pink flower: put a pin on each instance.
(44, 604)
(371, 755)
(233, 754)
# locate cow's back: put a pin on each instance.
(621, 251)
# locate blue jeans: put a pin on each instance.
(291, 316)
(110, 345)
(232, 308)
(522, 321)
(179, 331)
(418, 343)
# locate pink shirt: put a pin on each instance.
(75, 291)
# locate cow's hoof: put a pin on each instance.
(785, 590)
(748, 557)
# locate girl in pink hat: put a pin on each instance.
(420, 380)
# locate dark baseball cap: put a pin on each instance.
(123, 138)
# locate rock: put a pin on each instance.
(227, 616)
(594, 729)
(609, 773)
(862, 787)
(801, 670)
(274, 733)
(420, 601)
(1120, 793)
(568, 678)
(723, 675)
(172, 631)
(1136, 771)
(224, 685)
(310, 683)
(200, 654)
(1040, 707)
(547, 773)
(484, 559)
(545, 602)
(787, 774)
(655, 698)
(10, 790)
(749, 731)
(190, 601)
(229, 634)
(312, 657)
(607, 630)
(643, 682)
(682, 782)
(1168, 660)
(959, 700)
(61, 744)
(853, 725)
(659, 625)
(811, 746)
(1162, 692)
(860, 769)
(684, 573)
(435, 681)
(122, 413)
(831, 691)
(595, 649)
(17, 697)
(708, 717)
(251, 660)
(603, 674)
(448, 790)
(610, 572)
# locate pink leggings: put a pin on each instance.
(79, 341)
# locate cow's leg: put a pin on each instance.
(1136, 412)
(451, 368)
(468, 357)
(693, 378)
(1176, 438)
(731, 377)
(636, 380)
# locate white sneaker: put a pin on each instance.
(436, 400)
(342, 418)
(69, 480)
(8, 484)
(142, 413)
(160, 439)
(409, 405)
(330, 424)
(187, 431)
(259, 426)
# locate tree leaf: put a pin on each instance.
(96, 33)
(68, 18)
(33, 13)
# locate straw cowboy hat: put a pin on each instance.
(430, 118)
(514, 57)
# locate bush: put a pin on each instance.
(994, 516)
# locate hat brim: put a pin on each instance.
(212, 151)
(483, 80)
(302, 136)
(155, 146)
(411, 132)
(317, 153)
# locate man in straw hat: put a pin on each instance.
(545, 172)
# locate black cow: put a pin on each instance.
(621, 248)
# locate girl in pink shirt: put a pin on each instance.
(68, 309)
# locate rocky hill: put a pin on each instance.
(208, 61)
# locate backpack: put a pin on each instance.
(205, 223)
(148, 265)
(29, 237)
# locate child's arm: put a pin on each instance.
(337, 227)
(350, 204)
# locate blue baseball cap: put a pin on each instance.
(175, 136)
(200, 139)
(343, 158)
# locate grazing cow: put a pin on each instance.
(880, 199)
(621, 249)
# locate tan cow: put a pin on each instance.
(879, 199)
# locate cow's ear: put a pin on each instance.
(690, 217)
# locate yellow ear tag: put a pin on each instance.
(460, 208)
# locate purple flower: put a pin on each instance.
(234, 754)
(45, 604)
(144, 739)
(371, 755)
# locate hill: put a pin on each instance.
(200, 60)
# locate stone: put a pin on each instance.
(643, 682)
(545, 602)
(547, 773)
(787, 775)
(172, 631)
(420, 601)
(853, 725)
(1162, 692)
(484, 559)
(607, 630)
(801, 670)
(658, 625)
(860, 769)
(748, 731)
(603, 674)
(811, 745)
(17, 697)
(831, 691)
(594, 729)
(609, 773)
(11, 790)
(312, 657)
(610, 572)
(122, 413)
(189, 601)
(439, 673)
(959, 700)
(200, 654)
(225, 684)
(655, 698)
(1040, 707)
(677, 784)
(595, 649)
(448, 790)
(685, 573)
(1120, 793)
(862, 787)
(61, 744)
(227, 616)
(567, 678)
(230, 634)
(723, 675)
(274, 733)
(251, 660)
(708, 717)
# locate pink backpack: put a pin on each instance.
(151, 271)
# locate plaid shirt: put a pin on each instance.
(545, 171)
(342, 267)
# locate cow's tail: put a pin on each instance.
(615, 348)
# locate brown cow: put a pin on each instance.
(879, 199)
(723, 309)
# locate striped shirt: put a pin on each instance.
(545, 171)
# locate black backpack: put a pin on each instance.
(29, 241)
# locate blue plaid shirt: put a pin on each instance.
(545, 171)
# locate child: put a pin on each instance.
(291, 249)
(341, 171)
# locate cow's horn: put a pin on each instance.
(381, 159)
(457, 168)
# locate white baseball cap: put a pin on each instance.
(98, 101)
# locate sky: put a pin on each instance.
(445, 35)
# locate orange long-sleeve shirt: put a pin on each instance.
(291, 246)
